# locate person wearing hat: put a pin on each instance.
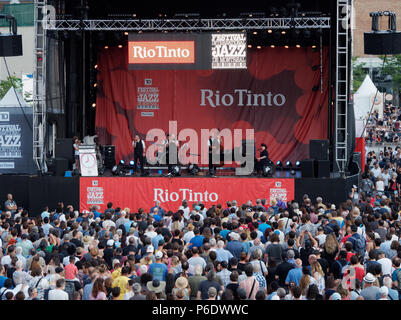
(158, 269)
(156, 286)
(370, 291)
(354, 195)
(182, 284)
(137, 289)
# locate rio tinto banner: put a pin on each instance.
(193, 51)
(136, 193)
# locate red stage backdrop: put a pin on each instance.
(273, 96)
(137, 193)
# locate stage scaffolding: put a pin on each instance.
(238, 24)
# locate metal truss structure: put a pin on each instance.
(191, 24)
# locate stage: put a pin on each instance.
(36, 192)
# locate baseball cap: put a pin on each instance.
(150, 249)
(354, 186)
(159, 255)
(110, 243)
(136, 287)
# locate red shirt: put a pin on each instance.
(349, 255)
(70, 271)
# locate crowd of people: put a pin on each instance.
(386, 129)
(259, 250)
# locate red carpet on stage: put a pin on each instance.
(274, 96)
(136, 193)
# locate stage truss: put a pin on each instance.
(191, 24)
(248, 23)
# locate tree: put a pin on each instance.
(359, 72)
(5, 85)
(392, 67)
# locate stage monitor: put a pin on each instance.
(194, 51)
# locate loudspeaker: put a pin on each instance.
(322, 169)
(64, 149)
(307, 168)
(10, 45)
(356, 164)
(60, 166)
(109, 156)
(319, 149)
(382, 42)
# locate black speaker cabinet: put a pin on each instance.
(10, 45)
(319, 149)
(382, 42)
(308, 168)
(355, 166)
(109, 156)
(64, 149)
(322, 169)
(60, 166)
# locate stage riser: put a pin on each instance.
(34, 192)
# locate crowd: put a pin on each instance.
(386, 129)
(259, 250)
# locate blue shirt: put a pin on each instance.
(223, 255)
(224, 233)
(87, 291)
(196, 241)
(294, 275)
(158, 271)
(246, 245)
(155, 240)
(96, 214)
(263, 226)
(2, 279)
(235, 247)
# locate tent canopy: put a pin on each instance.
(11, 99)
(367, 87)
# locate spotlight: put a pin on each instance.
(95, 85)
(122, 162)
(298, 164)
(279, 164)
(255, 32)
(176, 170)
(126, 33)
(114, 170)
(286, 47)
(313, 47)
(298, 46)
(96, 66)
(292, 172)
(120, 46)
(106, 47)
(270, 31)
(272, 46)
(132, 163)
(259, 47)
(288, 164)
(249, 46)
(93, 105)
(283, 32)
(193, 169)
(267, 171)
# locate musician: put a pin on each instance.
(139, 153)
(76, 145)
(214, 145)
(263, 159)
(171, 147)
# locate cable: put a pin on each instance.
(373, 104)
(16, 95)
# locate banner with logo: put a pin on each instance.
(136, 193)
(279, 96)
(16, 143)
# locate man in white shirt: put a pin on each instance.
(185, 208)
(387, 266)
(376, 170)
(58, 293)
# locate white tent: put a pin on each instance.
(363, 100)
(11, 99)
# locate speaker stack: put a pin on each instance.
(109, 156)
(318, 166)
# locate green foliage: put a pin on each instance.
(5, 85)
(359, 73)
(392, 67)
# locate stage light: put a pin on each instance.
(95, 85)
(292, 172)
(126, 33)
(93, 105)
(270, 31)
(106, 47)
(298, 164)
(114, 170)
(193, 169)
(286, 47)
(298, 46)
(249, 46)
(259, 47)
(272, 46)
(122, 162)
(96, 66)
(288, 164)
(255, 32)
(279, 164)
(132, 163)
(313, 47)
(176, 170)
(120, 46)
(283, 32)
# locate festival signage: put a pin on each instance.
(193, 51)
(140, 192)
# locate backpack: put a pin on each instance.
(342, 268)
(69, 288)
(358, 244)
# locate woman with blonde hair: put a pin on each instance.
(330, 248)
(306, 280)
(318, 274)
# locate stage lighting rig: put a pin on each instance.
(279, 165)
(288, 165)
